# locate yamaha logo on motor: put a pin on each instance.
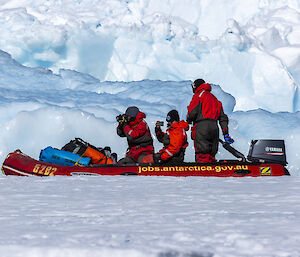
(273, 149)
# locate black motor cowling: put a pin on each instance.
(272, 151)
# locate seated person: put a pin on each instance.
(133, 126)
(174, 140)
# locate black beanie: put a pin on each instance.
(172, 116)
(132, 111)
(198, 82)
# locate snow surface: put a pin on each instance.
(68, 68)
(149, 216)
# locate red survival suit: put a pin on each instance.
(204, 111)
(174, 140)
(138, 136)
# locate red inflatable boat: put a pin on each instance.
(265, 158)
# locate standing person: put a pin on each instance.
(174, 140)
(204, 111)
(133, 126)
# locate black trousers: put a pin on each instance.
(207, 137)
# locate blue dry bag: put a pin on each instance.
(62, 157)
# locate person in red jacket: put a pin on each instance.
(204, 111)
(174, 140)
(133, 126)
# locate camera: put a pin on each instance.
(122, 118)
(160, 123)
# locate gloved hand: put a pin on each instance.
(119, 118)
(228, 139)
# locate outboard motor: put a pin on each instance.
(272, 151)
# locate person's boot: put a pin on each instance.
(203, 158)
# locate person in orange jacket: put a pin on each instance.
(174, 140)
(133, 126)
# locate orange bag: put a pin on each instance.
(97, 157)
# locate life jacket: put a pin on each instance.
(178, 140)
(138, 133)
(210, 106)
(205, 106)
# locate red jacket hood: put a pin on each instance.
(138, 118)
(204, 86)
(180, 124)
